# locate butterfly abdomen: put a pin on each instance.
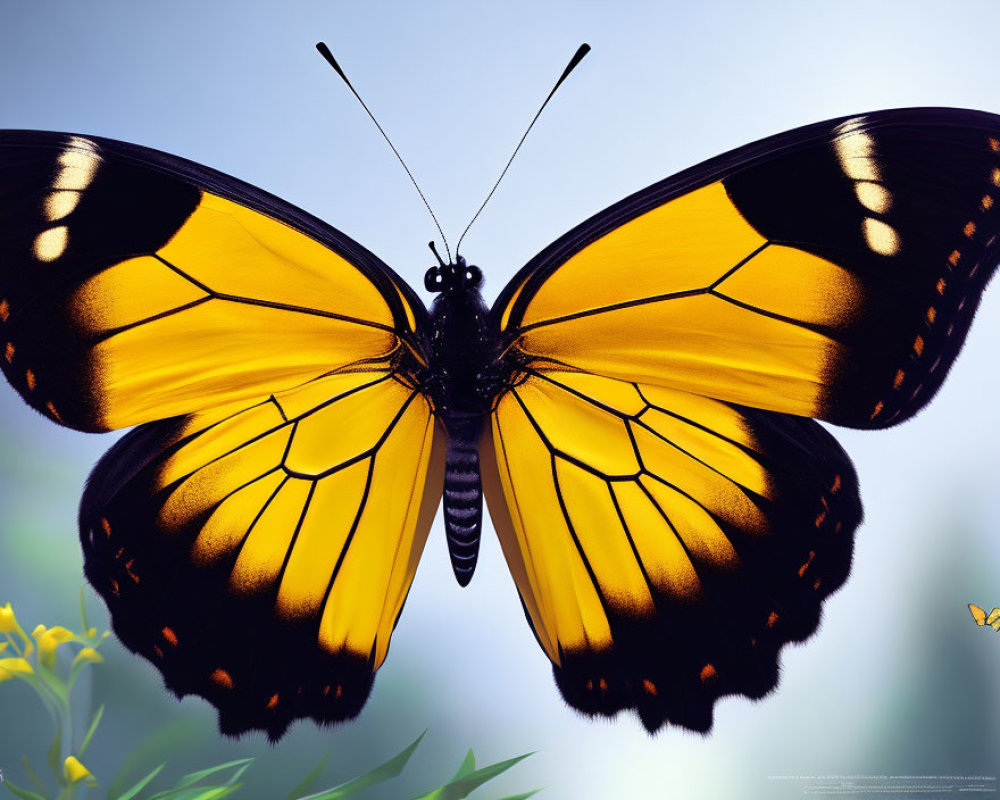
(463, 495)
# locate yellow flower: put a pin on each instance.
(48, 641)
(12, 667)
(8, 622)
(88, 654)
(76, 772)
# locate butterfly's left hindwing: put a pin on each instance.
(260, 556)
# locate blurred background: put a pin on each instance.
(898, 680)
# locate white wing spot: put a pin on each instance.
(51, 244)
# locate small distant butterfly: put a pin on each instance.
(981, 618)
(637, 406)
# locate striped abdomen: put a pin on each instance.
(463, 495)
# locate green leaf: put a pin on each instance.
(83, 613)
(138, 787)
(198, 793)
(460, 788)
(171, 737)
(53, 756)
(197, 777)
(93, 727)
(24, 794)
(307, 783)
(390, 769)
(468, 766)
(32, 774)
(524, 796)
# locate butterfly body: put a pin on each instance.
(462, 378)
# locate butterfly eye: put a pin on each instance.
(432, 279)
(474, 275)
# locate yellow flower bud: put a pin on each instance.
(76, 772)
(88, 654)
(48, 641)
(8, 622)
(12, 667)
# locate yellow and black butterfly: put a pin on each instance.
(636, 406)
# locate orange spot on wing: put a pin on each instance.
(836, 484)
(114, 586)
(819, 521)
(808, 561)
(222, 679)
(970, 229)
(273, 702)
(954, 257)
(931, 314)
(9, 352)
(940, 285)
(29, 376)
(994, 144)
(918, 345)
(987, 202)
(170, 636)
(106, 527)
(878, 409)
(995, 176)
(603, 684)
(817, 582)
(52, 410)
(708, 672)
(339, 693)
(158, 651)
(772, 619)
(649, 687)
(4, 310)
(898, 380)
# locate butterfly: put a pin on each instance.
(638, 406)
(981, 617)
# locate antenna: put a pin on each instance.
(581, 51)
(325, 52)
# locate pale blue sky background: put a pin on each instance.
(898, 679)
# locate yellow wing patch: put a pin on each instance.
(611, 504)
(194, 325)
(690, 296)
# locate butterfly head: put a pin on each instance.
(455, 277)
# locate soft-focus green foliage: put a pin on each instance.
(38, 661)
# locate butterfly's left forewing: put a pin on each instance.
(255, 537)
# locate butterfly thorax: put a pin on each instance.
(460, 377)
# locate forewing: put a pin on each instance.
(831, 271)
(260, 556)
(138, 286)
(664, 545)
